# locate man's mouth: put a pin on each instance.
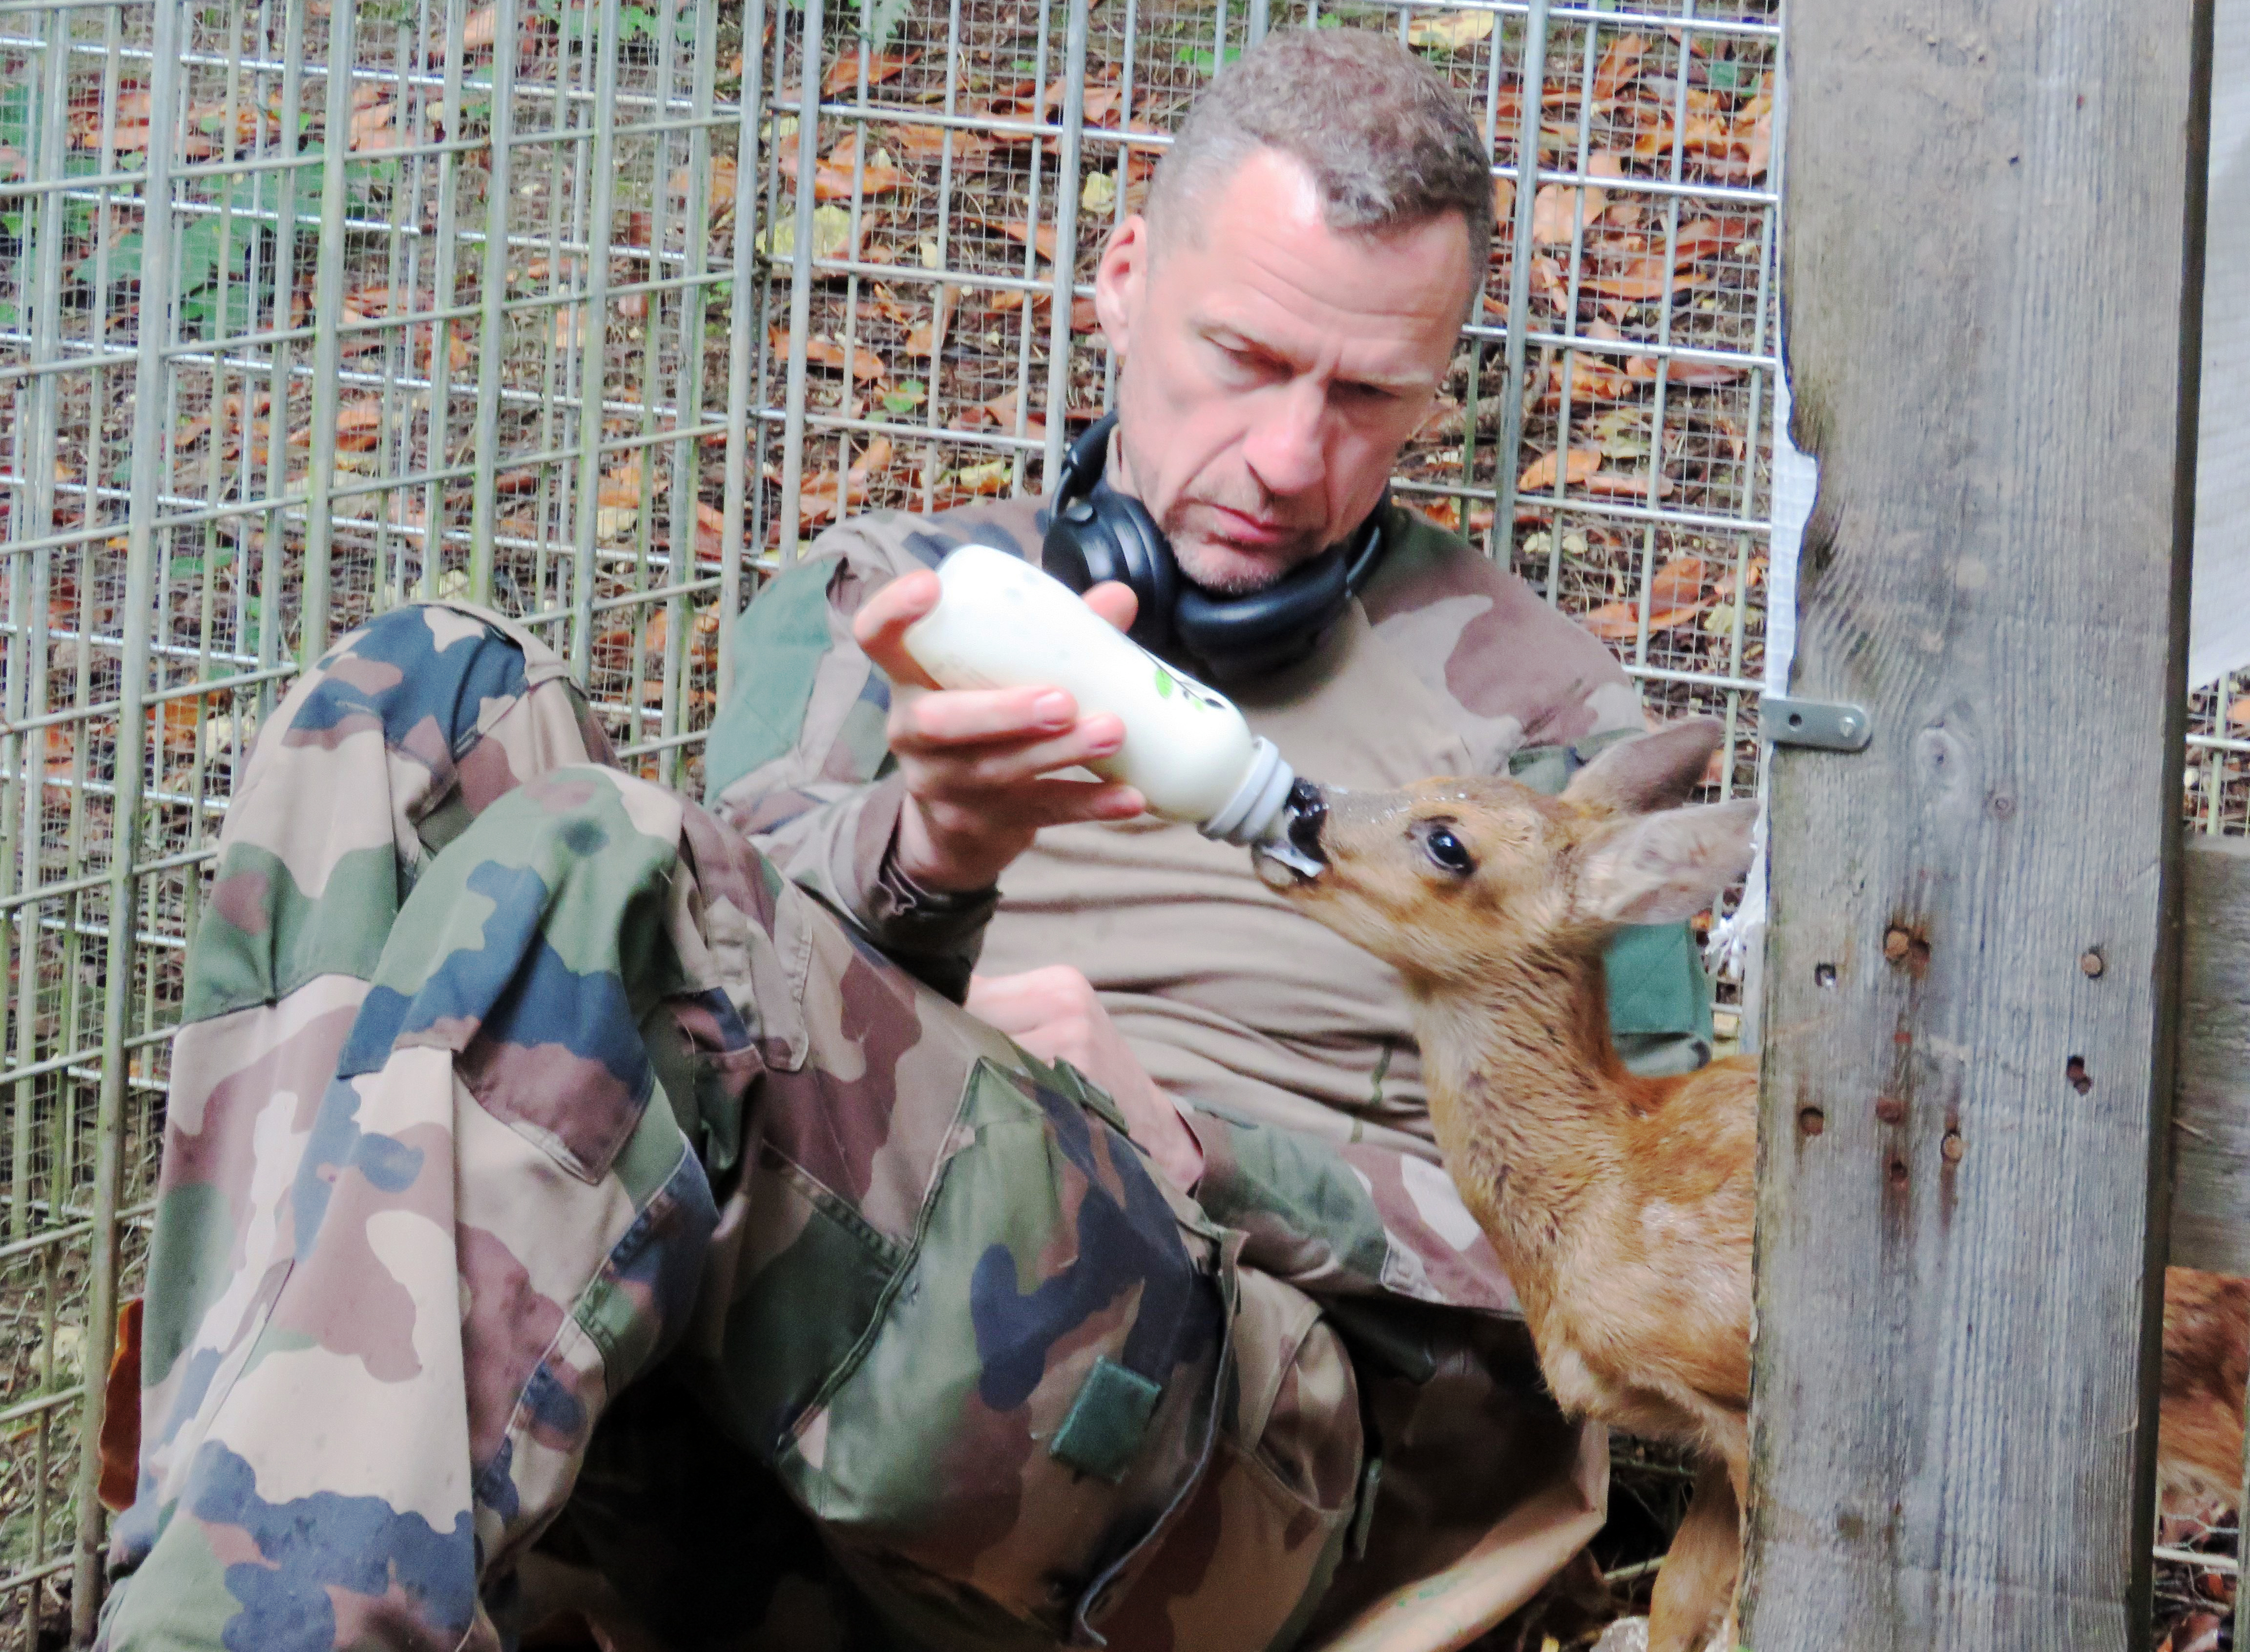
(1254, 532)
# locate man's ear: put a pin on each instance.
(1655, 771)
(1119, 278)
(1658, 869)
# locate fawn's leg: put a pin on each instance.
(1696, 1590)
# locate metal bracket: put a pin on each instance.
(1832, 726)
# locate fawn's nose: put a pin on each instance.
(1308, 813)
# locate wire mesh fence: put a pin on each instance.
(592, 309)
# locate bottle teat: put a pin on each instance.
(1257, 815)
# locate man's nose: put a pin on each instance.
(1284, 449)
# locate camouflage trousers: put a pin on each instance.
(551, 1189)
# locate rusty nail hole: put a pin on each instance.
(1895, 944)
(1889, 1109)
(1898, 1173)
(1824, 975)
(1952, 1147)
(1812, 1121)
(1917, 955)
(2075, 1071)
(2090, 961)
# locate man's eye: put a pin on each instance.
(1449, 852)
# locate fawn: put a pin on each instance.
(1621, 1205)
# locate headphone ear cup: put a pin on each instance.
(1146, 557)
(1107, 537)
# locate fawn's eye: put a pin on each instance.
(1448, 851)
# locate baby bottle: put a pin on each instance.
(1003, 623)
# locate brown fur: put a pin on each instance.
(1620, 1205)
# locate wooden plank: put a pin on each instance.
(2210, 1116)
(1990, 290)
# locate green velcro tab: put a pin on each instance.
(1106, 1421)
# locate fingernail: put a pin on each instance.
(1102, 745)
(1053, 709)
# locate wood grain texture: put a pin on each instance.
(2210, 1116)
(1987, 275)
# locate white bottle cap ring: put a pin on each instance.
(1256, 813)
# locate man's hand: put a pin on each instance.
(1053, 1013)
(974, 758)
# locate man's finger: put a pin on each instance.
(975, 716)
(879, 627)
(1116, 602)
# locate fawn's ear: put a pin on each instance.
(1655, 771)
(1658, 869)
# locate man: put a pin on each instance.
(536, 1142)
(1283, 313)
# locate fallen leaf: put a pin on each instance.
(1619, 622)
(991, 476)
(1703, 134)
(359, 424)
(1686, 370)
(928, 144)
(1645, 275)
(1620, 485)
(844, 73)
(927, 339)
(817, 496)
(832, 233)
(1554, 211)
(865, 363)
(374, 128)
(1619, 64)
(1043, 240)
(621, 486)
(835, 178)
(710, 536)
(1583, 462)
(1449, 31)
(1590, 380)
(722, 182)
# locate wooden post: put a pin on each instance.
(1993, 289)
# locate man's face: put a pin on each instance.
(1272, 368)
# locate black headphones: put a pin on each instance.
(1095, 534)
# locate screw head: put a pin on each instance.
(1848, 724)
(2091, 962)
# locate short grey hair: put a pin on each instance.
(1387, 142)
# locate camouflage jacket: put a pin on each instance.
(536, 1147)
(1446, 664)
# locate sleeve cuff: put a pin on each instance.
(938, 933)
